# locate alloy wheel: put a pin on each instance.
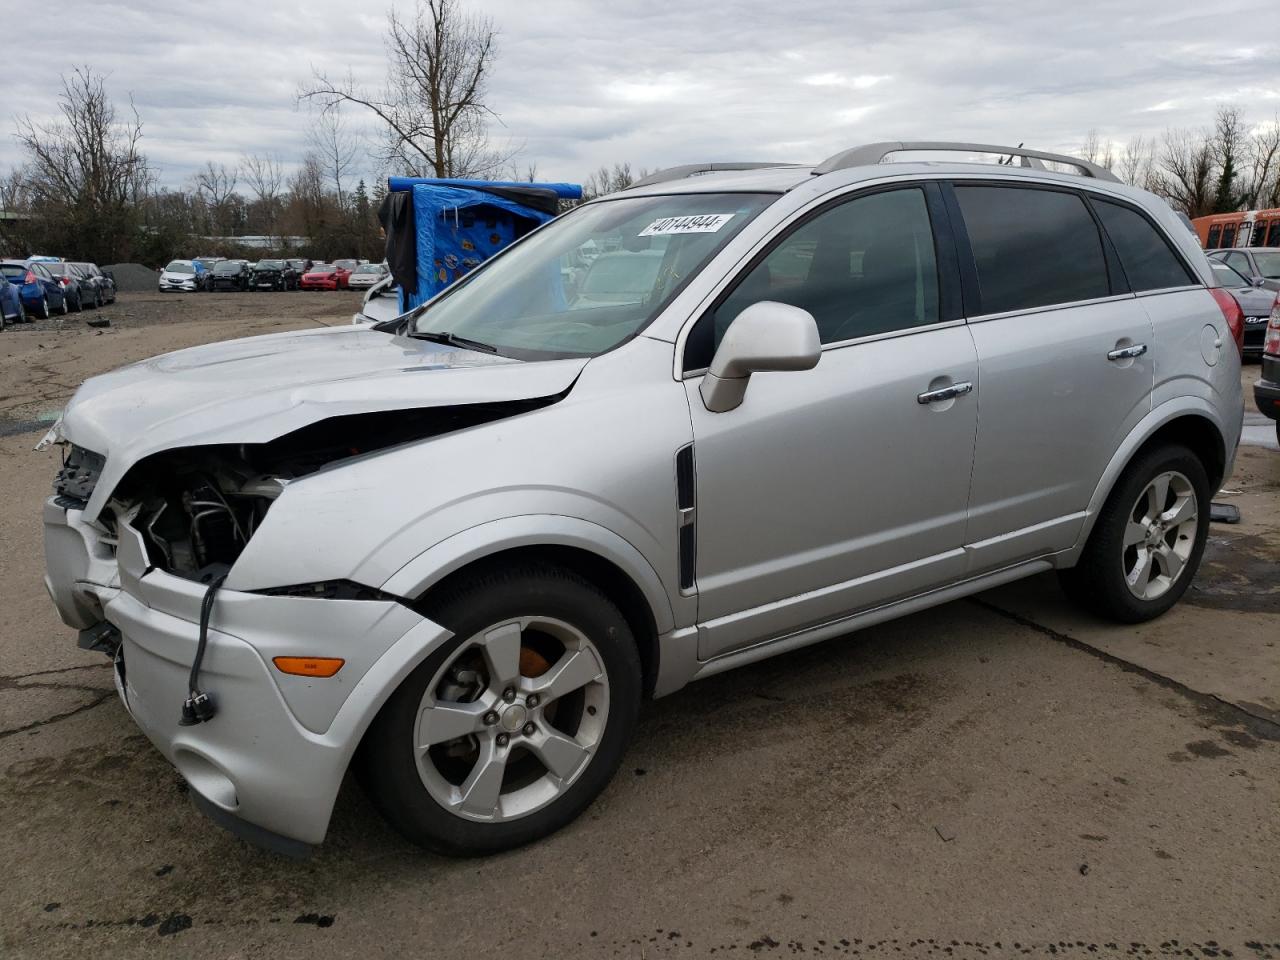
(512, 719)
(1160, 535)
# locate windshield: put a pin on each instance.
(1268, 265)
(180, 266)
(369, 268)
(593, 278)
(227, 267)
(322, 268)
(270, 264)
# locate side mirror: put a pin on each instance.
(765, 336)
(1257, 281)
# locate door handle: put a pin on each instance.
(1127, 353)
(945, 393)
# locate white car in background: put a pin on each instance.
(381, 302)
(182, 275)
(366, 275)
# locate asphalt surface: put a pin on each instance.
(1000, 776)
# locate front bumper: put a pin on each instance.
(188, 285)
(274, 755)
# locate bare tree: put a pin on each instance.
(1095, 151)
(433, 101)
(1262, 189)
(1137, 163)
(1230, 143)
(85, 172)
(216, 184)
(335, 147)
(606, 180)
(1186, 176)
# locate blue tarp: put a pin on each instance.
(458, 224)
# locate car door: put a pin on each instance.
(845, 486)
(1065, 362)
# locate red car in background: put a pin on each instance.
(325, 276)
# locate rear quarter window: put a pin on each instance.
(1145, 255)
(1032, 247)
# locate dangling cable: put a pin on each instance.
(199, 706)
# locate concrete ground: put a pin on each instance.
(1001, 776)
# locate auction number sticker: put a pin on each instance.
(698, 223)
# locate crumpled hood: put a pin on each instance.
(258, 388)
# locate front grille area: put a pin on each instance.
(79, 474)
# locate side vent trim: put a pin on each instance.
(686, 514)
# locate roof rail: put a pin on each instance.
(872, 153)
(689, 169)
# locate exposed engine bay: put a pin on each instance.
(198, 507)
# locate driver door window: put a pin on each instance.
(865, 267)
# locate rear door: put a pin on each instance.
(1065, 368)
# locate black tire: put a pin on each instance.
(44, 313)
(390, 770)
(66, 306)
(78, 306)
(1097, 582)
(22, 313)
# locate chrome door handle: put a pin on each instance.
(945, 393)
(1127, 353)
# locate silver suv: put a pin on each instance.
(460, 547)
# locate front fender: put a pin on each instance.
(1143, 431)
(532, 530)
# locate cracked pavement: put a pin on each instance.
(1000, 776)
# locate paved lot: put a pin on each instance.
(999, 777)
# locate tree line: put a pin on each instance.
(87, 191)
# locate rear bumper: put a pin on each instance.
(1266, 391)
(270, 762)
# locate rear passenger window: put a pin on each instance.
(1215, 237)
(1033, 248)
(1148, 261)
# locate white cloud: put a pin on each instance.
(579, 84)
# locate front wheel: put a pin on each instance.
(1148, 539)
(508, 731)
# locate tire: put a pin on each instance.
(79, 304)
(1100, 582)
(66, 307)
(563, 621)
(44, 313)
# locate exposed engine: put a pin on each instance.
(199, 506)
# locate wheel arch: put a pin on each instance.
(594, 553)
(1189, 421)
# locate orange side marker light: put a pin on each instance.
(309, 666)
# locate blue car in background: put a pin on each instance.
(11, 308)
(40, 291)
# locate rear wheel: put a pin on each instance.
(509, 730)
(1148, 539)
(43, 312)
(78, 305)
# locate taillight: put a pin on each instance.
(1271, 345)
(1232, 313)
(30, 277)
(65, 281)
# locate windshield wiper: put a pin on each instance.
(453, 340)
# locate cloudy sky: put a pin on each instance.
(579, 84)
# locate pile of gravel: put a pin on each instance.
(133, 277)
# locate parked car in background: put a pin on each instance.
(458, 551)
(11, 308)
(208, 263)
(187, 275)
(74, 286)
(273, 275)
(366, 275)
(41, 292)
(342, 270)
(1266, 390)
(104, 283)
(1256, 303)
(230, 275)
(323, 276)
(1258, 265)
(300, 265)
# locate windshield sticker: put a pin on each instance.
(700, 223)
